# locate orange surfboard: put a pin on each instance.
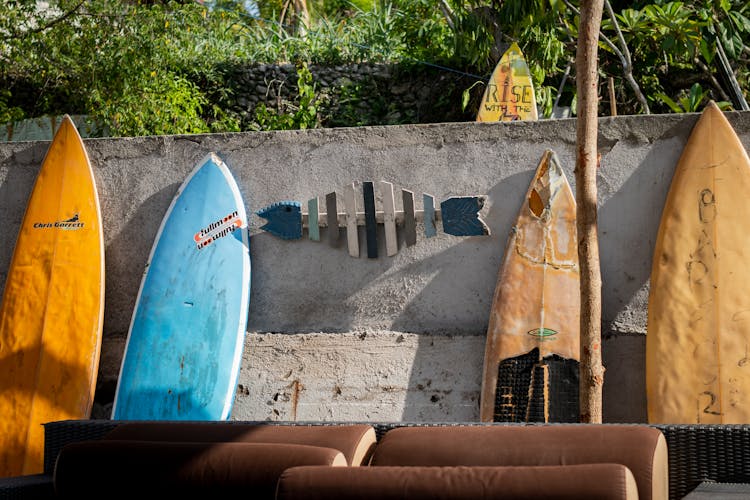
(51, 314)
(532, 352)
(697, 361)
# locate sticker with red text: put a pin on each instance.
(218, 229)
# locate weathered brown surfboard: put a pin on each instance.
(697, 363)
(532, 353)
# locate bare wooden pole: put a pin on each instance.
(612, 98)
(592, 371)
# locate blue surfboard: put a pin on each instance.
(184, 346)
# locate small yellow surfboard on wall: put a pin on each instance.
(52, 309)
(509, 95)
(697, 361)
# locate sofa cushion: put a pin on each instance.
(570, 482)
(356, 442)
(95, 469)
(640, 448)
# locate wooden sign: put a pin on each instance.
(460, 216)
(510, 92)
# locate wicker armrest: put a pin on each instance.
(58, 434)
(698, 453)
(37, 486)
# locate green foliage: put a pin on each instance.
(368, 36)
(162, 105)
(144, 67)
(301, 114)
(466, 95)
(366, 102)
(692, 101)
(421, 30)
(673, 46)
(131, 67)
(9, 113)
(336, 8)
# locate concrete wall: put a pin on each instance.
(337, 338)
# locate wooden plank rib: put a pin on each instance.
(352, 234)
(410, 223)
(313, 228)
(389, 218)
(368, 191)
(429, 215)
(379, 218)
(331, 215)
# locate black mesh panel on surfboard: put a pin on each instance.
(563, 388)
(536, 407)
(513, 379)
(534, 390)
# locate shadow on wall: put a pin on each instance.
(126, 255)
(15, 191)
(463, 277)
(280, 298)
(446, 377)
(632, 216)
(415, 291)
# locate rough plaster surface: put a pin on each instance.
(369, 376)
(311, 303)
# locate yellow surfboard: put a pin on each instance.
(698, 340)
(509, 95)
(51, 314)
(532, 352)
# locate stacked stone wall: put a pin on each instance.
(354, 94)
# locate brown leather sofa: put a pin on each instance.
(131, 469)
(558, 482)
(641, 449)
(285, 462)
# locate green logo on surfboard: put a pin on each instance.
(542, 333)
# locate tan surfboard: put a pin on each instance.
(53, 304)
(532, 353)
(509, 95)
(698, 341)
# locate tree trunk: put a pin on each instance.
(592, 371)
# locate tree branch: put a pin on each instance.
(623, 55)
(627, 62)
(711, 78)
(39, 29)
(561, 87)
(450, 17)
(737, 97)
